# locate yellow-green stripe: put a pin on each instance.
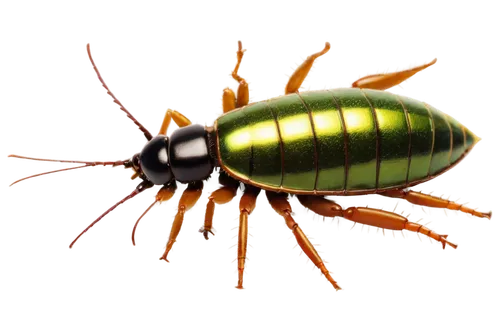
(393, 137)
(421, 138)
(361, 143)
(298, 142)
(329, 138)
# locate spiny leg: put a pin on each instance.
(369, 216)
(76, 165)
(140, 188)
(229, 100)
(164, 194)
(386, 81)
(134, 120)
(243, 95)
(221, 196)
(188, 199)
(301, 72)
(428, 200)
(178, 118)
(280, 204)
(247, 205)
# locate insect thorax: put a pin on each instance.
(184, 157)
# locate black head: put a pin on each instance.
(185, 157)
(153, 161)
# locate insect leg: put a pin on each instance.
(301, 72)
(164, 194)
(386, 81)
(134, 120)
(188, 199)
(422, 199)
(221, 196)
(369, 216)
(173, 116)
(144, 185)
(247, 205)
(280, 204)
(229, 99)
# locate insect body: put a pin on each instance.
(342, 141)
(349, 141)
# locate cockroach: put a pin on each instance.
(312, 144)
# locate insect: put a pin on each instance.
(351, 141)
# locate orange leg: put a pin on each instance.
(229, 99)
(221, 196)
(164, 194)
(431, 201)
(280, 204)
(247, 205)
(188, 199)
(178, 118)
(301, 72)
(386, 81)
(369, 216)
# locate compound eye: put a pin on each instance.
(154, 160)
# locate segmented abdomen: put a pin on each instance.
(340, 141)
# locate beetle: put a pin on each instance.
(350, 141)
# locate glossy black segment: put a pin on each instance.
(189, 154)
(154, 160)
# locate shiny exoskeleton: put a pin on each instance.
(350, 141)
(341, 141)
(184, 158)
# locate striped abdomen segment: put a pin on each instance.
(339, 141)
